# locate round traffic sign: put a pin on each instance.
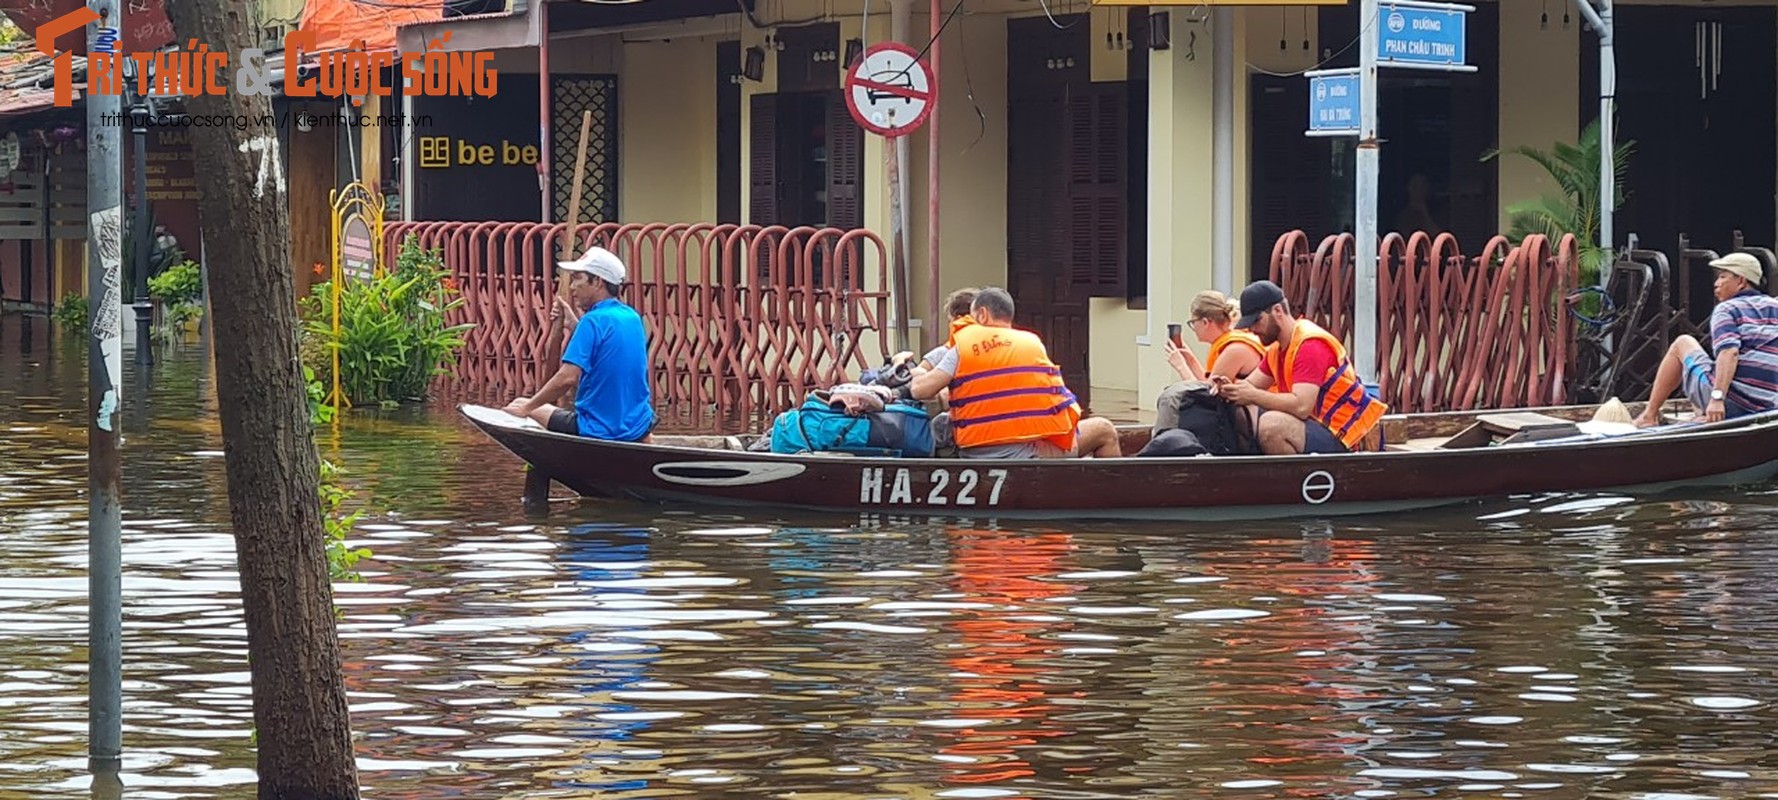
(890, 91)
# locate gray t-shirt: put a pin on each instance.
(936, 355)
(947, 360)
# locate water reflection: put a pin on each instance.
(1563, 647)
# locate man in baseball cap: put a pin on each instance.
(606, 361)
(1742, 378)
(1306, 395)
(599, 263)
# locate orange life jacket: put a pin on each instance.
(1007, 390)
(1233, 337)
(1342, 405)
(957, 324)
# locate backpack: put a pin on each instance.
(1206, 425)
(900, 430)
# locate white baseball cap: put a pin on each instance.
(598, 262)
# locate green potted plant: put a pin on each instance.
(1575, 171)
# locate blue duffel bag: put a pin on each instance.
(900, 430)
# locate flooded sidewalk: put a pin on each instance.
(1561, 648)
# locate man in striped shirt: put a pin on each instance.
(1742, 379)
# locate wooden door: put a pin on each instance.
(1289, 173)
(313, 171)
(1703, 163)
(728, 132)
(1046, 67)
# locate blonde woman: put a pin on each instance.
(1233, 352)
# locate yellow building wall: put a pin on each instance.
(972, 160)
(667, 131)
(1539, 96)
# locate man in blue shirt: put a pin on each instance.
(606, 361)
(1742, 377)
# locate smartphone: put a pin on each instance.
(1174, 331)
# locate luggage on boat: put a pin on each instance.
(900, 430)
(1195, 421)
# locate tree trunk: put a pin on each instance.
(299, 695)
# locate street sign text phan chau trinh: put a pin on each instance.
(1421, 34)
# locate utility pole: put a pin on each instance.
(1364, 283)
(104, 190)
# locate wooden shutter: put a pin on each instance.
(1098, 149)
(845, 167)
(762, 150)
(1290, 187)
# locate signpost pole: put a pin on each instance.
(1601, 20)
(1364, 284)
(889, 92)
(1222, 183)
(104, 192)
(897, 158)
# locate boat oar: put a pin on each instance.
(569, 242)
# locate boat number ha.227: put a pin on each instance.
(938, 487)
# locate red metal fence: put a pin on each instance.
(1453, 332)
(725, 339)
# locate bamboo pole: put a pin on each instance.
(556, 333)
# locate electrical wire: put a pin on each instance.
(1052, 17)
(930, 42)
(969, 91)
(1365, 30)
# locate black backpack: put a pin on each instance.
(1208, 425)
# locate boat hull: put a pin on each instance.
(1204, 488)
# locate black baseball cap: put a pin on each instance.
(1256, 299)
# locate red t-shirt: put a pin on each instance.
(1313, 360)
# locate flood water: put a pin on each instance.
(1546, 647)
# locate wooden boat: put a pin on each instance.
(1436, 459)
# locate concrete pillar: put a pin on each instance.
(1181, 161)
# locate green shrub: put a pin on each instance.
(71, 313)
(183, 283)
(341, 560)
(392, 336)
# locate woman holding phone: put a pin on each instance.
(1233, 353)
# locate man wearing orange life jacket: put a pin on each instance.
(1309, 397)
(1007, 398)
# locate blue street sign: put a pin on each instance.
(1333, 103)
(1421, 35)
